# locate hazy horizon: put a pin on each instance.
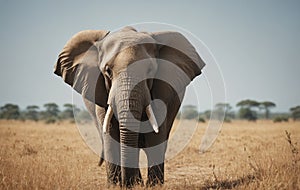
(256, 45)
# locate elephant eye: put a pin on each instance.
(108, 71)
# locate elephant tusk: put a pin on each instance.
(150, 114)
(107, 118)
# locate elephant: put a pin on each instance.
(132, 83)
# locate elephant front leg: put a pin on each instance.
(112, 157)
(155, 165)
(113, 173)
(135, 179)
(155, 175)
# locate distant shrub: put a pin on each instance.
(189, 112)
(201, 120)
(279, 119)
(227, 120)
(50, 120)
(72, 121)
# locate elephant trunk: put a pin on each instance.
(130, 103)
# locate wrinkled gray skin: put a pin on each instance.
(104, 68)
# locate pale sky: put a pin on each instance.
(255, 43)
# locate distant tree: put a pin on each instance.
(247, 113)
(22, 116)
(246, 109)
(266, 106)
(10, 111)
(51, 113)
(189, 112)
(83, 116)
(295, 112)
(207, 114)
(52, 109)
(248, 103)
(223, 111)
(68, 112)
(32, 113)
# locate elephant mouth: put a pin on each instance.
(148, 110)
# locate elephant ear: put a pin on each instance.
(178, 64)
(78, 62)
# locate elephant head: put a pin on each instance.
(123, 72)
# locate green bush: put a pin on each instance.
(201, 120)
(50, 120)
(279, 119)
(227, 120)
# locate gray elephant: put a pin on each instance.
(132, 84)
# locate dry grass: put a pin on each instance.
(246, 155)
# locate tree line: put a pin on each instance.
(250, 110)
(50, 113)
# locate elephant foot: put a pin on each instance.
(155, 175)
(134, 179)
(113, 174)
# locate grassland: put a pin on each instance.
(245, 156)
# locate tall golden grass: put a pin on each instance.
(261, 155)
